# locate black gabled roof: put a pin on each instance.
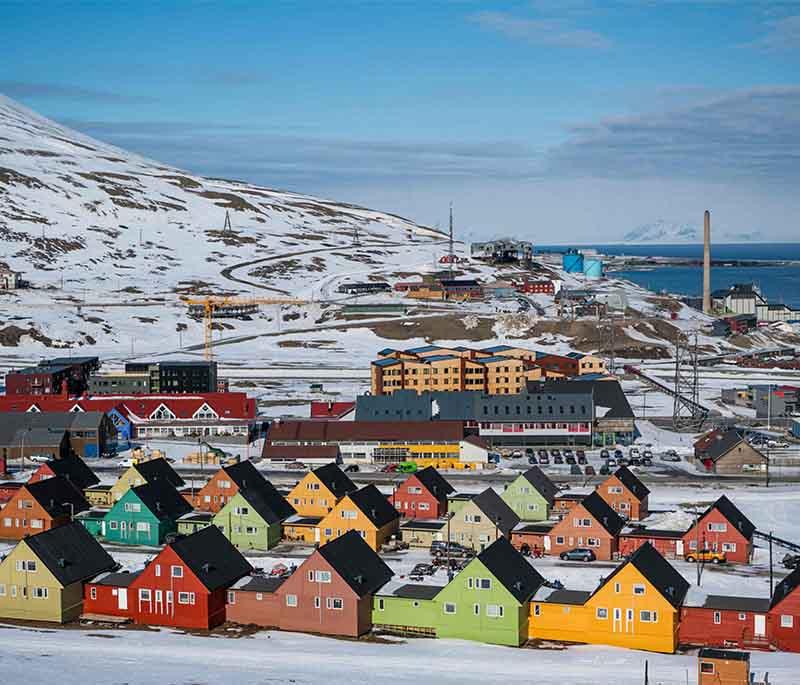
(573, 597)
(244, 474)
(374, 505)
(735, 517)
(786, 587)
(212, 558)
(159, 469)
(632, 483)
(162, 499)
(75, 470)
(495, 508)
(262, 584)
(356, 562)
(722, 443)
(603, 513)
(268, 503)
(336, 480)
(670, 584)
(511, 569)
(119, 579)
(70, 553)
(58, 497)
(414, 591)
(434, 482)
(726, 654)
(541, 481)
(731, 603)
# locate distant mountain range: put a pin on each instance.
(669, 232)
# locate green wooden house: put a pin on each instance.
(405, 609)
(145, 514)
(254, 516)
(194, 521)
(489, 600)
(531, 495)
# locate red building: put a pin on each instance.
(330, 593)
(423, 495)
(722, 528)
(625, 494)
(722, 621)
(537, 287)
(784, 614)
(591, 523)
(331, 410)
(3, 465)
(557, 363)
(184, 586)
(669, 543)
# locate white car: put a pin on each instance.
(126, 463)
(633, 452)
(39, 458)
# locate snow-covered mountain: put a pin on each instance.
(664, 232)
(87, 222)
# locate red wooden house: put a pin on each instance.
(723, 621)
(330, 593)
(184, 586)
(423, 495)
(784, 614)
(722, 528)
(591, 523)
(669, 543)
(108, 595)
(625, 494)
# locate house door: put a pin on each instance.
(159, 602)
(123, 529)
(760, 625)
(628, 620)
(316, 534)
(103, 528)
(679, 548)
(546, 543)
(170, 603)
(617, 627)
(122, 598)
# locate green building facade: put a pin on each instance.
(246, 525)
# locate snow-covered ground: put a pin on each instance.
(163, 656)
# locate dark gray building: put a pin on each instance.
(172, 377)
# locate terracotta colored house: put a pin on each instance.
(224, 484)
(784, 614)
(625, 494)
(42, 578)
(330, 593)
(184, 586)
(723, 621)
(320, 490)
(565, 502)
(73, 469)
(37, 507)
(592, 523)
(723, 528)
(422, 495)
(366, 511)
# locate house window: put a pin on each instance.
(494, 610)
(648, 616)
(2, 590)
(291, 600)
(593, 542)
(742, 617)
(638, 589)
(93, 593)
(533, 507)
(414, 490)
(231, 597)
(470, 583)
(224, 484)
(142, 527)
(381, 604)
(424, 506)
(241, 511)
(728, 546)
(39, 593)
(717, 527)
(449, 608)
(787, 621)
(717, 618)
(322, 576)
(559, 540)
(617, 588)
(335, 603)
(186, 597)
(158, 570)
(328, 532)
(259, 596)
(707, 667)
(614, 490)
(476, 609)
(348, 514)
(177, 571)
(484, 583)
(26, 565)
(317, 602)
(113, 525)
(537, 610)
(133, 506)
(601, 613)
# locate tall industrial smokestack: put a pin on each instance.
(707, 263)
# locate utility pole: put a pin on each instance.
(771, 578)
(697, 546)
(451, 241)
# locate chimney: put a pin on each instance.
(707, 263)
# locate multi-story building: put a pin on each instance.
(52, 376)
(166, 377)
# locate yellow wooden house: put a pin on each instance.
(145, 472)
(366, 511)
(320, 490)
(636, 607)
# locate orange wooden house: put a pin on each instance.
(40, 506)
(625, 494)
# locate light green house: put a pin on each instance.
(489, 600)
(405, 609)
(194, 521)
(253, 517)
(531, 495)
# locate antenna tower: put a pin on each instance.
(227, 228)
(452, 258)
(687, 412)
(356, 240)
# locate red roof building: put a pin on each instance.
(331, 410)
(423, 495)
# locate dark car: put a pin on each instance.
(589, 470)
(635, 461)
(582, 459)
(541, 453)
(555, 453)
(558, 459)
(351, 468)
(618, 455)
(544, 459)
(578, 554)
(389, 468)
(423, 570)
(570, 459)
(529, 452)
(532, 459)
(604, 453)
(575, 470)
(647, 461)
(604, 470)
(439, 549)
(568, 453)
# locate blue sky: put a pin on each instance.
(577, 118)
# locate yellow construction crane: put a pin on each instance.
(211, 303)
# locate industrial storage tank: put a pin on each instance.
(572, 262)
(593, 268)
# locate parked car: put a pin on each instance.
(633, 452)
(389, 468)
(541, 453)
(439, 549)
(611, 462)
(407, 467)
(575, 470)
(647, 454)
(555, 453)
(295, 466)
(706, 555)
(544, 459)
(622, 461)
(124, 463)
(647, 461)
(604, 470)
(791, 561)
(635, 461)
(618, 454)
(423, 570)
(777, 444)
(568, 453)
(589, 470)
(670, 455)
(532, 459)
(581, 457)
(604, 453)
(529, 452)
(570, 459)
(558, 459)
(351, 468)
(578, 554)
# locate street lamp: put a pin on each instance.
(71, 509)
(22, 447)
(449, 516)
